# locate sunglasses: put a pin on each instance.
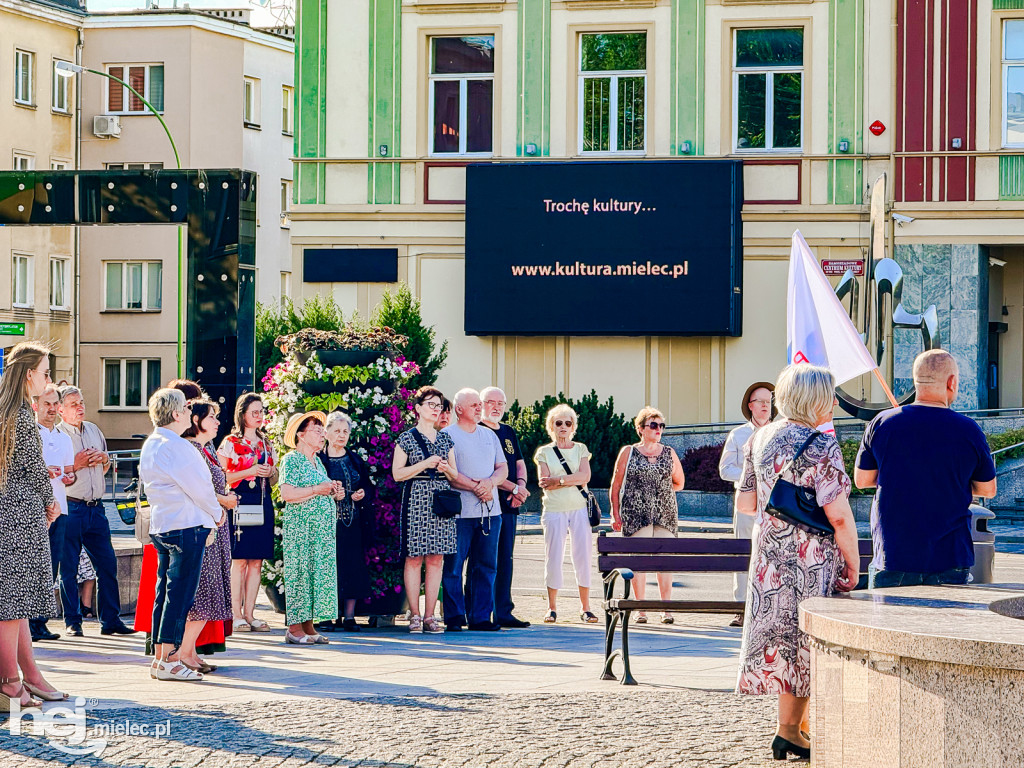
(655, 425)
(561, 423)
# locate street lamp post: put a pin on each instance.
(68, 69)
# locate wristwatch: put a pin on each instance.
(561, 481)
(515, 491)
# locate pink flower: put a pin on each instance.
(398, 589)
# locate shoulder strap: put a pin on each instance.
(565, 464)
(423, 447)
(789, 465)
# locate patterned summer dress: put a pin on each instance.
(213, 596)
(310, 565)
(423, 532)
(647, 495)
(250, 542)
(787, 565)
(26, 581)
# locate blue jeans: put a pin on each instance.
(87, 528)
(503, 604)
(880, 579)
(477, 541)
(56, 534)
(179, 558)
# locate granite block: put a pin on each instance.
(1009, 716)
(965, 293)
(882, 749)
(971, 733)
(901, 386)
(909, 259)
(965, 261)
(827, 712)
(935, 260)
(922, 713)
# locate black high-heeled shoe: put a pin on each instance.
(781, 748)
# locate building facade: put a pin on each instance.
(225, 91)
(818, 99)
(37, 131)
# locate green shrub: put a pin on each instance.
(401, 311)
(600, 428)
(317, 311)
(1005, 440)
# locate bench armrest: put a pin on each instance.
(626, 573)
(610, 578)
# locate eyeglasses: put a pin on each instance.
(561, 423)
(760, 402)
(433, 406)
(655, 425)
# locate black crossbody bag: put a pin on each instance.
(797, 504)
(446, 503)
(593, 508)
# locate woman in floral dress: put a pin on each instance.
(789, 565)
(248, 458)
(308, 535)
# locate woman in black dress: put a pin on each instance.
(249, 462)
(355, 520)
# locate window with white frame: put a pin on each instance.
(462, 95)
(21, 280)
(129, 383)
(59, 165)
(1013, 83)
(251, 102)
(287, 99)
(24, 161)
(58, 283)
(59, 89)
(768, 89)
(134, 285)
(286, 288)
(132, 166)
(24, 74)
(286, 200)
(147, 79)
(613, 92)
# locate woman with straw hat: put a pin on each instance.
(309, 495)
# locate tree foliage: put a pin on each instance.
(402, 312)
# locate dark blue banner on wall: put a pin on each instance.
(615, 248)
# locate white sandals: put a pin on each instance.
(291, 639)
(177, 670)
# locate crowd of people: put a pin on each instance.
(464, 480)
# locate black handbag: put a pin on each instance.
(593, 508)
(797, 504)
(446, 503)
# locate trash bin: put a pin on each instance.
(984, 544)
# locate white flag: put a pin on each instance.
(818, 330)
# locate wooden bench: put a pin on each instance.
(620, 557)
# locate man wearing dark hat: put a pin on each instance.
(758, 409)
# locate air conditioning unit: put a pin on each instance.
(106, 125)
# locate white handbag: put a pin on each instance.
(249, 515)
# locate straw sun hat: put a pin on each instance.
(296, 420)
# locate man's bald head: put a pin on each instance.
(936, 374)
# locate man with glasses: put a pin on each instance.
(758, 409)
(482, 468)
(87, 526)
(511, 495)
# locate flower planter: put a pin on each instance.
(276, 597)
(318, 387)
(330, 358)
(391, 604)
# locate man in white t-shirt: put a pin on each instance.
(482, 468)
(59, 456)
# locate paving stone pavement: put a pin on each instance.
(625, 728)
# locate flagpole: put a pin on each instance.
(888, 392)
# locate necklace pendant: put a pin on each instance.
(252, 484)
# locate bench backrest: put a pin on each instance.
(694, 554)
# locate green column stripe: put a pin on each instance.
(533, 76)
(311, 99)
(846, 98)
(1008, 5)
(686, 110)
(1011, 177)
(385, 98)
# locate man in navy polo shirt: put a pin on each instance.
(927, 462)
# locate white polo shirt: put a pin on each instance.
(57, 452)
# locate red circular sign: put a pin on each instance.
(877, 127)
